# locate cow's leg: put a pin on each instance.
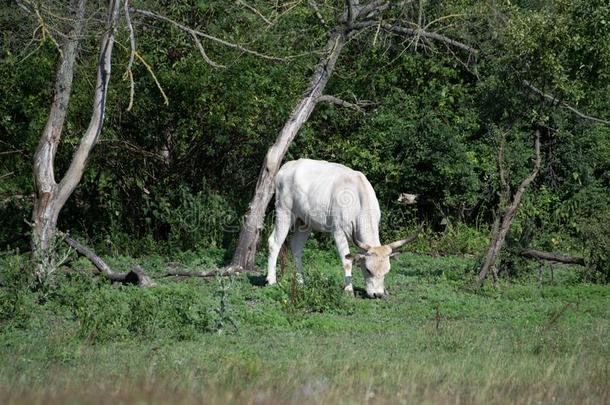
(297, 244)
(343, 249)
(276, 240)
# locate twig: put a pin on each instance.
(45, 31)
(430, 35)
(7, 174)
(316, 9)
(555, 315)
(203, 54)
(255, 11)
(132, 43)
(201, 274)
(152, 73)
(564, 104)
(336, 100)
(417, 32)
(376, 7)
(191, 31)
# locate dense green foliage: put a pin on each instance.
(167, 185)
(431, 340)
(180, 175)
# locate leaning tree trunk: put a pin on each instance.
(46, 211)
(50, 197)
(253, 224)
(502, 226)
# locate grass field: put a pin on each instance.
(211, 341)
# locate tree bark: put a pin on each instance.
(502, 226)
(253, 224)
(50, 196)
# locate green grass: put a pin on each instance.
(432, 340)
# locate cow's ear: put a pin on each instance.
(354, 257)
(395, 254)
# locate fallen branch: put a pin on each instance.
(201, 274)
(553, 257)
(135, 276)
(174, 271)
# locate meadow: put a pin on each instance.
(433, 339)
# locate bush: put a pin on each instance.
(105, 313)
(319, 293)
(17, 301)
(596, 234)
(194, 220)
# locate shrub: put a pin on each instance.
(596, 234)
(17, 301)
(106, 313)
(194, 220)
(319, 293)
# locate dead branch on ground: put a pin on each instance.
(135, 276)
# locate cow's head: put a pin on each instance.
(375, 264)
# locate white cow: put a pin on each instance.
(329, 197)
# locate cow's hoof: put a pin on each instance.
(349, 290)
(271, 281)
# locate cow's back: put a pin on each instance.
(327, 196)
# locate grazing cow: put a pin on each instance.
(329, 197)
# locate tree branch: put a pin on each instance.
(200, 274)
(203, 54)
(351, 11)
(77, 165)
(377, 7)
(255, 11)
(417, 32)
(44, 158)
(502, 226)
(132, 43)
(335, 100)
(314, 5)
(504, 187)
(526, 182)
(564, 104)
(193, 32)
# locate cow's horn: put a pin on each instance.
(363, 246)
(399, 243)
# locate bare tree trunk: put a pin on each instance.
(253, 224)
(46, 211)
(502, 227)
(50, 196)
